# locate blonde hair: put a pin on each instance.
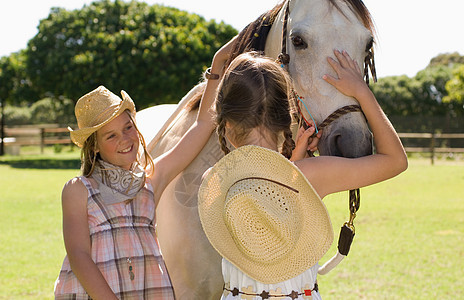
(255, 93)
(89, 153)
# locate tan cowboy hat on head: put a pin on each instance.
(260, 213)
(96, 109)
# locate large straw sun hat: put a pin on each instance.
(96, 109)
(260, 213)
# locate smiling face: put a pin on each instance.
(118, 142)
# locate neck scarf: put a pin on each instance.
(117, 184)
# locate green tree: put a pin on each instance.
(394, 95)
(6, 78)
(455, 88)
(53, 110)
(430, 89)
(447, 59)
(425, 94)
(16, 87)
(155, 53)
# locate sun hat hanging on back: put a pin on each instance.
(96, 109)
(260, 213)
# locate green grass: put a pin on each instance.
(31, 244)
(408, 245)
(409, 241)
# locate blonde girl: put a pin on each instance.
(109, 211)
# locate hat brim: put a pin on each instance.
(79, 136)
(316, 234)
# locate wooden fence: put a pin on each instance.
(51, 135)
(43, 135)
(432, 148)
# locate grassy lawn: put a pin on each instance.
(409, 241)
(30, 220)
(408, 245)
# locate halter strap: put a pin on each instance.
(332, 117)
(306, 122)
(338, 113)
(283, 57)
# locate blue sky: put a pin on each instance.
(411, 32)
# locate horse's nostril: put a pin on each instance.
(353, 144)
(332, 145)
(346, 143)
(339, 145)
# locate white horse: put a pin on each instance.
(314, 28)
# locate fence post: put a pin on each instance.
(432, 147)
(42, 140)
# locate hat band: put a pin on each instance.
(267, 179)
(266, 295)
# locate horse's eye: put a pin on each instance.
(298, 42)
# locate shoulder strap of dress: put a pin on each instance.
(85, 181)
(88, 185)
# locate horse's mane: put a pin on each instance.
(246, 40)
(253, 36)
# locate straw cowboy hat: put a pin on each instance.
(260, 213)
(96, 109)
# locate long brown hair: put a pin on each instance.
(255, 93)
(89, 153)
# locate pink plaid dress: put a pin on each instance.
(124, 248)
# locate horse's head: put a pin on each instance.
(313, 30)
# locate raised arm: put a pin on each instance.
(334, 174)
(171, 163)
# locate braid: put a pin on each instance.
(289, 144)
(221, 131)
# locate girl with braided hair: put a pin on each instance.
(262, 212)
(255, 94)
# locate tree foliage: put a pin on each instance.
(15, 83)
(53, 111)
(455, 87)
(425, 94)
(155, 53)
(447, 59)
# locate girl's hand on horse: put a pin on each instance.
(306, 140)
(350, 80)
